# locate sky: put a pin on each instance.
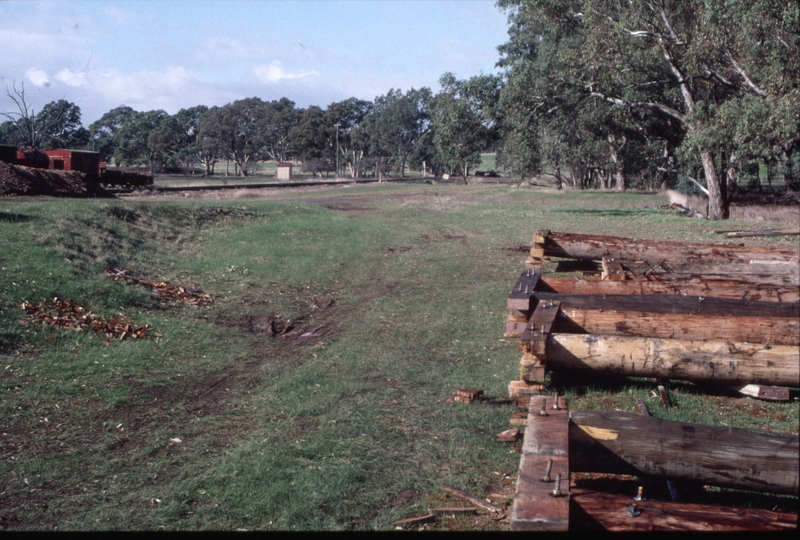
(174, 54)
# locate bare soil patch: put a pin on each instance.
(20, 180)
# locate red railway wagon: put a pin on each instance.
(85, 161)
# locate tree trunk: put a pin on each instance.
(717, 209)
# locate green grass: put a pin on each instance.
(408, 282)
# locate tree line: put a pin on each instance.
(395, 132)
(696, 94)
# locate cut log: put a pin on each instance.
(608, 511)
(622, 443)
(773, 331)
(703, 361)
(671, 303)
(594, 247)
(758, 287)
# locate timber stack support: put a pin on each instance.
(710, 313)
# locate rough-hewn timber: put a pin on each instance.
(764, 288)
(593, 510)
(772, 331)
(594, 247)
(615, 442)
(703, 361)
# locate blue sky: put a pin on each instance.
(172, 54)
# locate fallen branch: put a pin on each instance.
(474, 500)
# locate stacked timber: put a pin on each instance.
(559, 442)
(716, 313)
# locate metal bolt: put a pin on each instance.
(543, 412)
(634, 510)
(526, 289)
(557, 490)
(639, 496)
(555, 402)
(547, 474)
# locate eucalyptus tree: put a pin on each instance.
(311, 138)
(463, 121)
(134, 146)
(57, 124)
(679, 60)
(396, 126)
(349, 135)
(103, 132)
(275, 124)
(236, 127)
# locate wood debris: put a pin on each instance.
(509, 435)
(188, 295)
(67, 314)
(468, 395)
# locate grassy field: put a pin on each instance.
(227, 417)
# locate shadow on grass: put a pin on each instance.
(11, 217)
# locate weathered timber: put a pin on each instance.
(763, 232)
(760, 287)
(515, 325)
(523, 389)
(544, 459)
(594, 510)
(623, 443)
(704, 361)
(509, 435)
(612, 269)
(769, 393)
(540, 325)
(640, 404)
(773, 330)
(531, 367)
(790, 269)
(671, 303)
(519, 301)
(594, 247)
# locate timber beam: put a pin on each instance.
(542, 498)
(764, 288)
(701, 361)
(594, 247)
(623, 443)
(595, 510)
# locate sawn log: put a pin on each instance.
(703, 361)
(623, 443)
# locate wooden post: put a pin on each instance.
(615, 442)
(545, 456)
(612, 269)
(704, 361)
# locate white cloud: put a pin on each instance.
(275, 72)
(71, 78)
(37, 77)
